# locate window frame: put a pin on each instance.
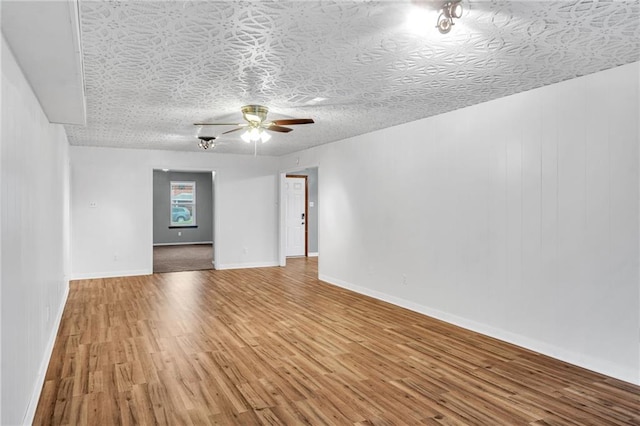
(176, 203)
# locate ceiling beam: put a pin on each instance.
(44, 36)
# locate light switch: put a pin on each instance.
(93, 204)
(311, 203)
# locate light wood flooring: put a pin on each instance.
(276, 346)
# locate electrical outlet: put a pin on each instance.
(245, 250)
(404, 279)
(179, 233)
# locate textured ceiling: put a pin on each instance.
(154, 68)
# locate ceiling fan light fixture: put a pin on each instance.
(254, 134)
(255, 126)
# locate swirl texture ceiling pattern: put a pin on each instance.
(153, 68)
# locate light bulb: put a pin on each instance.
(246, 136)
(205, 144)
(265, 136)
(455, 10)
(254, 134)
(444, 24)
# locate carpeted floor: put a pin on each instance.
(194, 257)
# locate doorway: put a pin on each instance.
(183, 219)
(296, 215)
(292, 218)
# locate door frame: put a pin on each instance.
(306, 210)
(282, 251)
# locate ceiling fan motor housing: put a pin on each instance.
(255, 113)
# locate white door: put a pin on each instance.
(295, 188)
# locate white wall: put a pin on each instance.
(517, 218)
(34, 223)
(115, 238)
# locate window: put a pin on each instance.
(183, 203)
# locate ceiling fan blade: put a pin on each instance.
(231, 131)
(290, 121)
(217, 124)
(279, 129)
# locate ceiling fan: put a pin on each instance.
(256, 125)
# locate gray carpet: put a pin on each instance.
(194, 257)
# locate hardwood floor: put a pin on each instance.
(277, 346)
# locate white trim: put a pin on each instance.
(638, 239)
(215, 216)
(282, 257)
(247, 265)
(193, 203)
(299, 168)
(74, 15)
(182, 243)
(48, 351)
(314, 254)
(581, 360)
(111, 274)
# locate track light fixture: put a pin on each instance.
(206, 142)
(450, 10)
(453, 9)
(206, 137)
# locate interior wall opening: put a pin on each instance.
(183, 220)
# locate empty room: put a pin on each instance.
(320, 212)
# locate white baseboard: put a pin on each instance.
(110, 274)
(247, 265)
(182, 243)
(594, 364)
(314, 254)
(42, 373)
